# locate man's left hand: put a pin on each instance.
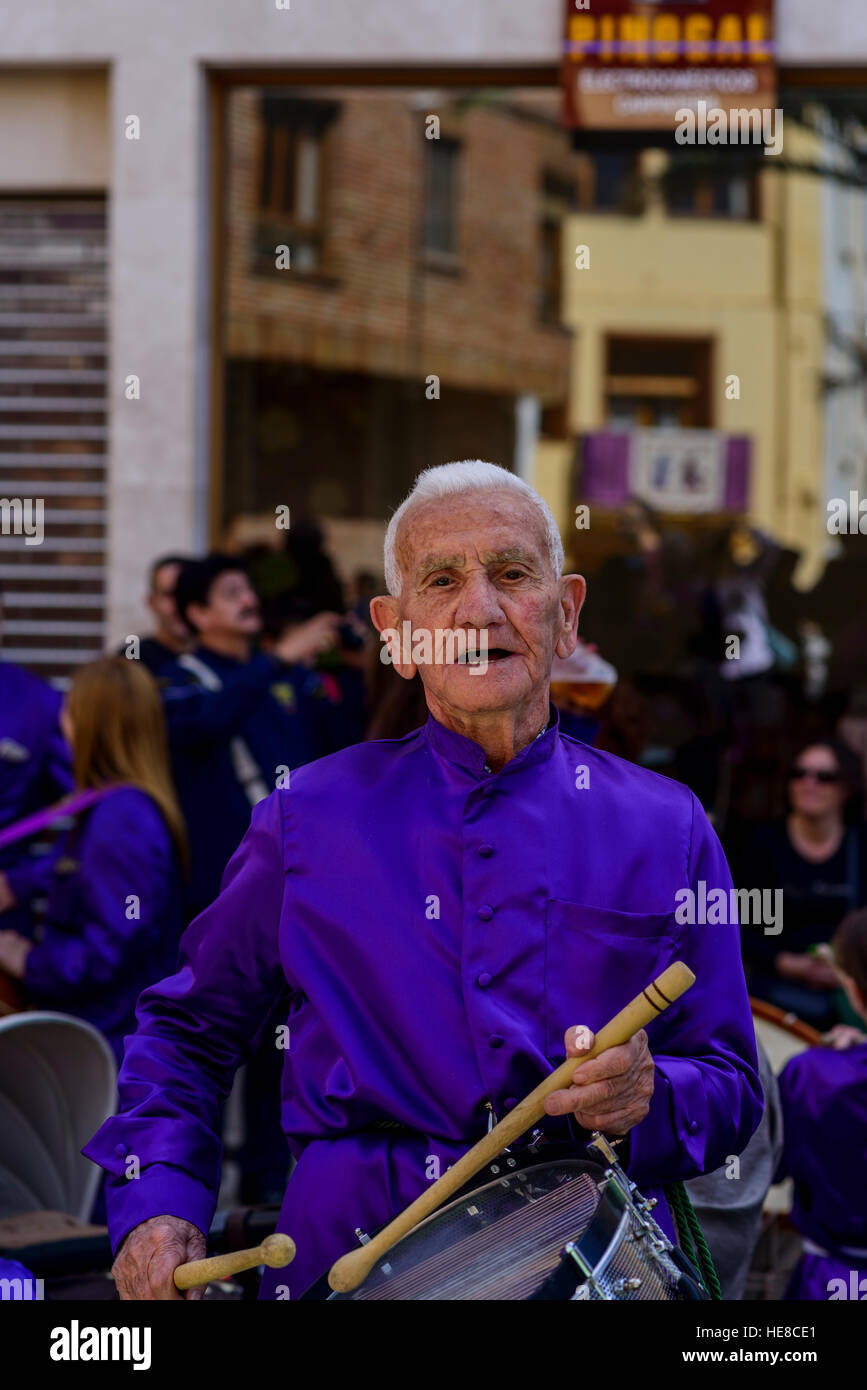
(611, 1092)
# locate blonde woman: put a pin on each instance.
(114, 911)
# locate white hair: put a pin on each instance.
(472, 475)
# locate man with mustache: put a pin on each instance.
(237, 728)
(440, 909)
(234, 721)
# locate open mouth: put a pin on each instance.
(493, 654)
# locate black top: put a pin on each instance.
(816, 896)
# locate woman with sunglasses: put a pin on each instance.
(817, 855)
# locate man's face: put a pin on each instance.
(232, 608)
(161, 602)
(479, 562)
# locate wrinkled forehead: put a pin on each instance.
(486, 523)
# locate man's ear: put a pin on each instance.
(384, 610)
(573, 591)
(195, 613)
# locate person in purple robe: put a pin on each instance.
(445, 915)
(112, 919)
(35, 769)
(824, 1100)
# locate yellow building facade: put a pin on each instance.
(753, 291)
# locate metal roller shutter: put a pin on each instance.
(53, 428)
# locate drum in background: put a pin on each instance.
(783, 1035)
(569, 1230)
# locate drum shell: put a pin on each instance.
(503, 1237)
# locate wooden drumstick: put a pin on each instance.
(353, 1268)
(275, 1251)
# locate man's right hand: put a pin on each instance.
(303, 642)
(150, 1255)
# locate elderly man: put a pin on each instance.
(439, 909)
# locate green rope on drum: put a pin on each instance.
(690, 1237)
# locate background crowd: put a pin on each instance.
(122, 800)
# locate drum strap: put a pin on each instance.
(690, 1237)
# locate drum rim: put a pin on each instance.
(786, 1020)
(597, 1243)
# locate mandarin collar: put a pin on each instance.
(457, 748)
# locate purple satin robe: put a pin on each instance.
(439, 928)
(97, 949)
(824, 1099)
(35, 770)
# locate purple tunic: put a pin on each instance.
(113, 918)
(439, 928)
(824, 1099)
(35, 769)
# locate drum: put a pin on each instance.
(782, 1034)
(563, 1230)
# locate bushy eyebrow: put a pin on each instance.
(431, 563)
(509, 556)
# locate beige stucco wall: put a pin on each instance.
(54, 131)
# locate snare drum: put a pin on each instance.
(564, 1230)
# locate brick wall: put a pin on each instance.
(376, 308)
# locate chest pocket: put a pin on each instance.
(596, 960)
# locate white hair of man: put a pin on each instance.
(471, 475)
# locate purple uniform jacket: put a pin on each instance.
(439, 928)
(35, 768)
(99, 948)
(824, 1099)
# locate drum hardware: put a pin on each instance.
(589, 1281)
(618, 1214)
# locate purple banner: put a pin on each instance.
(608, 473)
